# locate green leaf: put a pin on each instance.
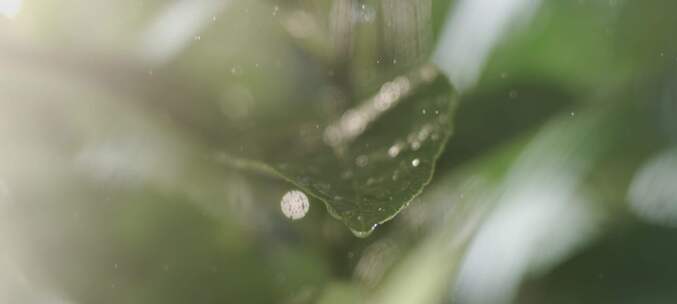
(366, 164)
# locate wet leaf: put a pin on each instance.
(368, 163)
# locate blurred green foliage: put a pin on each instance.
(146, 146)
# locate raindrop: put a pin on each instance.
(415, 162)
(415, 145)
(394, 150)
(362, 234)
(424, 111)
(394, 61)
(295, 204)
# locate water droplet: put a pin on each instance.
(424, 111)
(295, 204)
(572, 114)
(394, 150)
(276, 9)
(415, 162)
(364, 234)
(198, 37)
(361, 234)
(394, 61)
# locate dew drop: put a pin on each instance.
(295, 205)
(394, 151)
(361, 234)
(415, 162)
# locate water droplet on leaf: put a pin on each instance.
(295, 204)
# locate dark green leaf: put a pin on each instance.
(366, 164)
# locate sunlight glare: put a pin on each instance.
(10, 8)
